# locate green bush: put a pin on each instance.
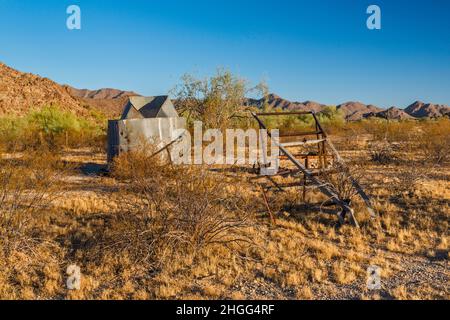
(52, 121)
(218, 101)
(51, 127)
(330, 118)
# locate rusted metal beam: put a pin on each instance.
(322, 187)
(301, 143)
(166, 147)
(298, 133)
(303, 156)
(272, 217)
(355, 184)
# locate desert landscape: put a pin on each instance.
(143, 228)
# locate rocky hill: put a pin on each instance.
(427, 110)
(21, 91)
(393, 113)
(108, 101)
(273, 101)
(354, 111)
(101, 94)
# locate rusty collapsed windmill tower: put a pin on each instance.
(305, 175)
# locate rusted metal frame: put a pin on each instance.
(297, 172)
(303, 156)
(297, 184)
(322, 187)
(291, 184)
(305, 179)
(272, 217)
(288, 172)
(322, 156)
(297, 134)
(301, 143)
(275, 183)
(324, 148)
(291, 172)
(355, 184)
(284, 173)
(166, 147)
(319, 148)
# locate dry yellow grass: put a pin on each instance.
(124, 251)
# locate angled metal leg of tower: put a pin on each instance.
(301, 163)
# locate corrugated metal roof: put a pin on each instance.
(149, 107)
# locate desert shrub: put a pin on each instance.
(29, 255)
(52, 121)
(217, 101)
(339, 179)
(27, 187)
(332, 118)
(57, 127)
(289, 123)
(427, 138)
(434, 141)
(11, 131)
(53, 128)
(382, 152)
(171, 210)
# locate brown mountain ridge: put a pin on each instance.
(354, 111)
(109, 101)
(21, 91)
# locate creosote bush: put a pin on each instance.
(175, 210)
(427, 139)
(435, 142)
(217, 101)
(339, 179)
(52, 128)
(382, 153)
(28, 185)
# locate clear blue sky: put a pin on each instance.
(306, 50)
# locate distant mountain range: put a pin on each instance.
(354, 111)
(109, 101)
(21, 91)
(100, 94)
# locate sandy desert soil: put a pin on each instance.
(303, 255)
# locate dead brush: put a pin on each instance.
(28, 185)
(170, 210)
(382, 152)
(434, 142)
(407, 181)
(340, 181)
